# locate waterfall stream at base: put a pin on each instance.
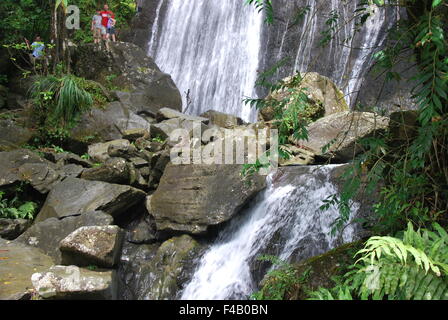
(285, 220)
(210, 49)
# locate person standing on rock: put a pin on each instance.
(105, 18)
(97, 27)
(111, 29)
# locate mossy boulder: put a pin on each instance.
(324, 97)
(169, 267)
(318, 271)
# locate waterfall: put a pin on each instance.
(285, 221)
(346, 58)
(211, 49)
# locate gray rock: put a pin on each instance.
(76, 196)
(47, 235)
(24, 165)
(150, 88)
(142, 230)
(167, 113)
(100, 151)
(18, 264)
(342, 131)
(139, 162)
(222, 120)
(299, 156)
(13, 136)
(40, 175)
(107, 124)
(169, 269)
(190, 198)
(134, 134)
(94, 245)
(12, 228)
(115, 170)
(163, 130)
(71, 170)
(67, 158)
(73, 283)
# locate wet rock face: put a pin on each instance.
(73, 283)
(47, 235)
(157, 272)
(76, 196)
(134, 258)
(19, 263)
(300, 41)
(94, 245)
(190, 198)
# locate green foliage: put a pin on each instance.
(15, 208)
(279, 281)
(62, 98)
(158, 139)
(124, 10)
(413, 266)
(23, 18)
(264, 6)
(332, 26)
(291, 108)
(411, 176)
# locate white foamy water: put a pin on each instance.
(212, 49)
(285, 216)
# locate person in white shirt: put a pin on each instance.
(97, 28)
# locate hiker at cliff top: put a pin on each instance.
(105, 17)
(97, 28)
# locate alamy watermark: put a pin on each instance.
(224, 146)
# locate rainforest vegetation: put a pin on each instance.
(405, 255)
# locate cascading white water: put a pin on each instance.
(211, 49)
(287, 217)
(347, 57)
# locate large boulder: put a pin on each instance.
(24, 165)
(324, 97)
(75, 196)
(46, 235)
(17, 265)
(100, 151)
(132, 69)
(107, 124)
(321, 271)
(115, 170)
(222, 120)
(340, 132)
(167, 113)
(158, 273)
(74, 283)
(13, 136)
(190, 198)
(94, 245)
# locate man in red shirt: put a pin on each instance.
(105, 16)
